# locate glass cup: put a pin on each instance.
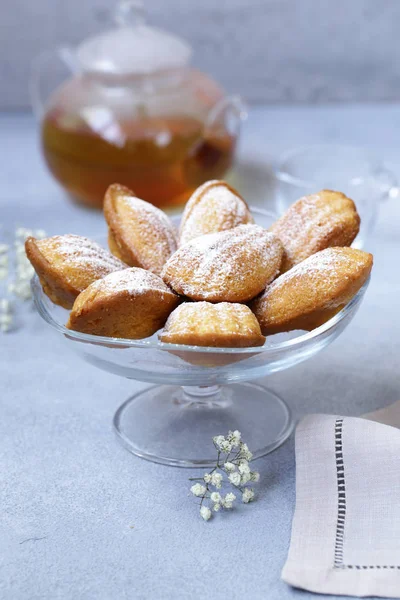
(354, 171)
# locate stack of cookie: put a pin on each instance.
(220, 281)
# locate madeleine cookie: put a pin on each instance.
(214, 206)
(67, 264)
(131, 304)
(228, 266)
(138, 233)
(313, 291)
(223, 325)
(316, 222)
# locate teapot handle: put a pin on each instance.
(38, 69)
(228, 112)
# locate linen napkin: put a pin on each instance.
(346, 526)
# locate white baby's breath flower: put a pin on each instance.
(216, 480)
(198, 490)
(229, 467)
(205, 513)
(234, 478)
(245, 452)
(245, 478)
(5, 305)
(230, 497)
(215, 497)
(229, 500)
(222, 443)
(238, 474)
(5, 322)
(244, 471)
(218, 440)
(234, 438)
(247, 495)
(226, 447)
(243, 467)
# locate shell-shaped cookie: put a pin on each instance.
(130, 304)
(314, 223)
(214, 206)
(228, 266)
(67, 264)
(223, 325)
(313, 291)
(139, 233)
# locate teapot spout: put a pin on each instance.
(226, 115)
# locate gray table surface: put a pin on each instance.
(70, 493)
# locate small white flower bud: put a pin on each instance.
(5, 305)
(234, 478)
(247, 495)
(216, 480)
(205, 513)
(229, 467)
(207, 477)
(198, 490)
(229, 500)
(222, 444)
(245, 452)
(215, 497)
(244, 467)
(234, 438)
(255, 476)
(218, 440)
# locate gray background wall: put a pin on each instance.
(267, 50)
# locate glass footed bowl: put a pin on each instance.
(200, 392)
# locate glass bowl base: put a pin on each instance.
(174, 425)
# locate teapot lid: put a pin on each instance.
(133, 48)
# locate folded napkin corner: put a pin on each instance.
(346, 527)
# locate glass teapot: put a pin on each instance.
(133, 112)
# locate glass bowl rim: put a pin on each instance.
(149, 343)
(298, 341)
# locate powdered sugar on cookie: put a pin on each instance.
(231, 266)
(76, 251)
(213, 207)
(133, 280)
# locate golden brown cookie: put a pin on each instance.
(223, 325)
(138, 233)
(316, 222)
(228, 266)
(313, 291)
(67, 264)
(214, 206)
(130, 304)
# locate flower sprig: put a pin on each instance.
(16, 271)
(232, 467)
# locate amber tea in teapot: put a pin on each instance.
(135, 112)
(162, 160)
